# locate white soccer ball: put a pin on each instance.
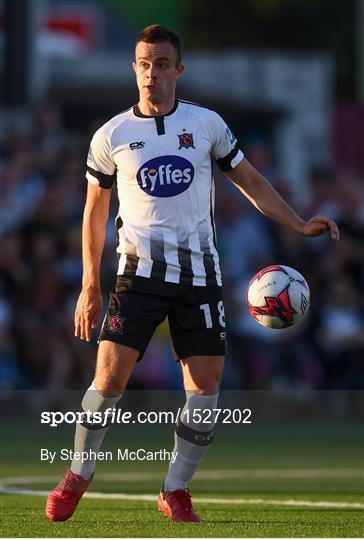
(278, 296)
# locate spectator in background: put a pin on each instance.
(341, 333)
(21, 189)
(48, 135)
(10, 376)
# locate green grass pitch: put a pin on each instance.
(279, 476)
(104, 518)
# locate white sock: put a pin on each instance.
(87, 439)
(192, 440)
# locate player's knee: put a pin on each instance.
(113, 368)
(206, 383)
(108, 387)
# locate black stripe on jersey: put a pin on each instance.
(208, 259)
(211, 206)
(131, 265)
(213, 224)
(159, 266)
(185, 261)
(105, 180)
(209, 264)
(159, 269)
(225, 163)
(159, 122)
(118, 224)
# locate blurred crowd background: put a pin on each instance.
(81, 76)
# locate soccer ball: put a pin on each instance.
(278, 296)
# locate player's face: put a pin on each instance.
(156, 71)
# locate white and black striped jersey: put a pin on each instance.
(162, 166)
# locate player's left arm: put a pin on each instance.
(266, 199)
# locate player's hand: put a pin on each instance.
(320, 224)
(87, 312)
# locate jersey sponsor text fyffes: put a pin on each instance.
(166, 190)
(165, 176)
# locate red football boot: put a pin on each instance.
(177, 505)
(62, 501)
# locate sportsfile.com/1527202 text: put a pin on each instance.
(118, 416)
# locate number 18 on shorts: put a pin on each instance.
(195, 315)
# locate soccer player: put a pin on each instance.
(159, 153)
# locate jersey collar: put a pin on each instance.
(137, 112)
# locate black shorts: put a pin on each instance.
(195, 315)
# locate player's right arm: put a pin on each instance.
(95, 218)
(101, 174)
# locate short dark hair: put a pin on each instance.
(156, 33)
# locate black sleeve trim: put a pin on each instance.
(105, 180)
(225, 163)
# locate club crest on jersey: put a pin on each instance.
(185, 140)
(165, 176)
(116, 324)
